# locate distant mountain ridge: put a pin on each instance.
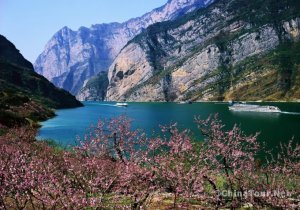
(72, 57)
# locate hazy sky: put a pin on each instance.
(29, 24)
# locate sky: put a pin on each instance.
(29, 24)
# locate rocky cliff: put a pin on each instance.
(72, 57)
(233, 49)
(95, 88)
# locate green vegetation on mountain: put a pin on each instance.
(277, 76)
(95, 89)
(231, 50)
(274, 76)
(25, 96)
(255, 12)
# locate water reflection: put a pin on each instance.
(256, 115)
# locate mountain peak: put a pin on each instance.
(72, 57)
(189, 2)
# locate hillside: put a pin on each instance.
(25, 96)
(72, 57)
(231, 50)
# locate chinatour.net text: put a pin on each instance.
(255, 193)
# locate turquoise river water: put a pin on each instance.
(274, 128)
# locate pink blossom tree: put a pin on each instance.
(125, 149)
(229, 155)
(115, 166)
(176, 163)
(279, 178)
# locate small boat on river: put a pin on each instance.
(122, 104)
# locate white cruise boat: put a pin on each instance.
(185, 102)
(122, 104)
(254, 108)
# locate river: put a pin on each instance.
(273, 127)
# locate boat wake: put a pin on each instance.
(291, 113)
(113, 105)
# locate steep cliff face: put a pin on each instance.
(200, 56)
(72, 57)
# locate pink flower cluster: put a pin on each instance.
(115, 166)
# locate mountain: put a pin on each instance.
(72, 57)
(26, 96)
(95, 89)
(231, 50)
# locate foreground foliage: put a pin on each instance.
(115, 166)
